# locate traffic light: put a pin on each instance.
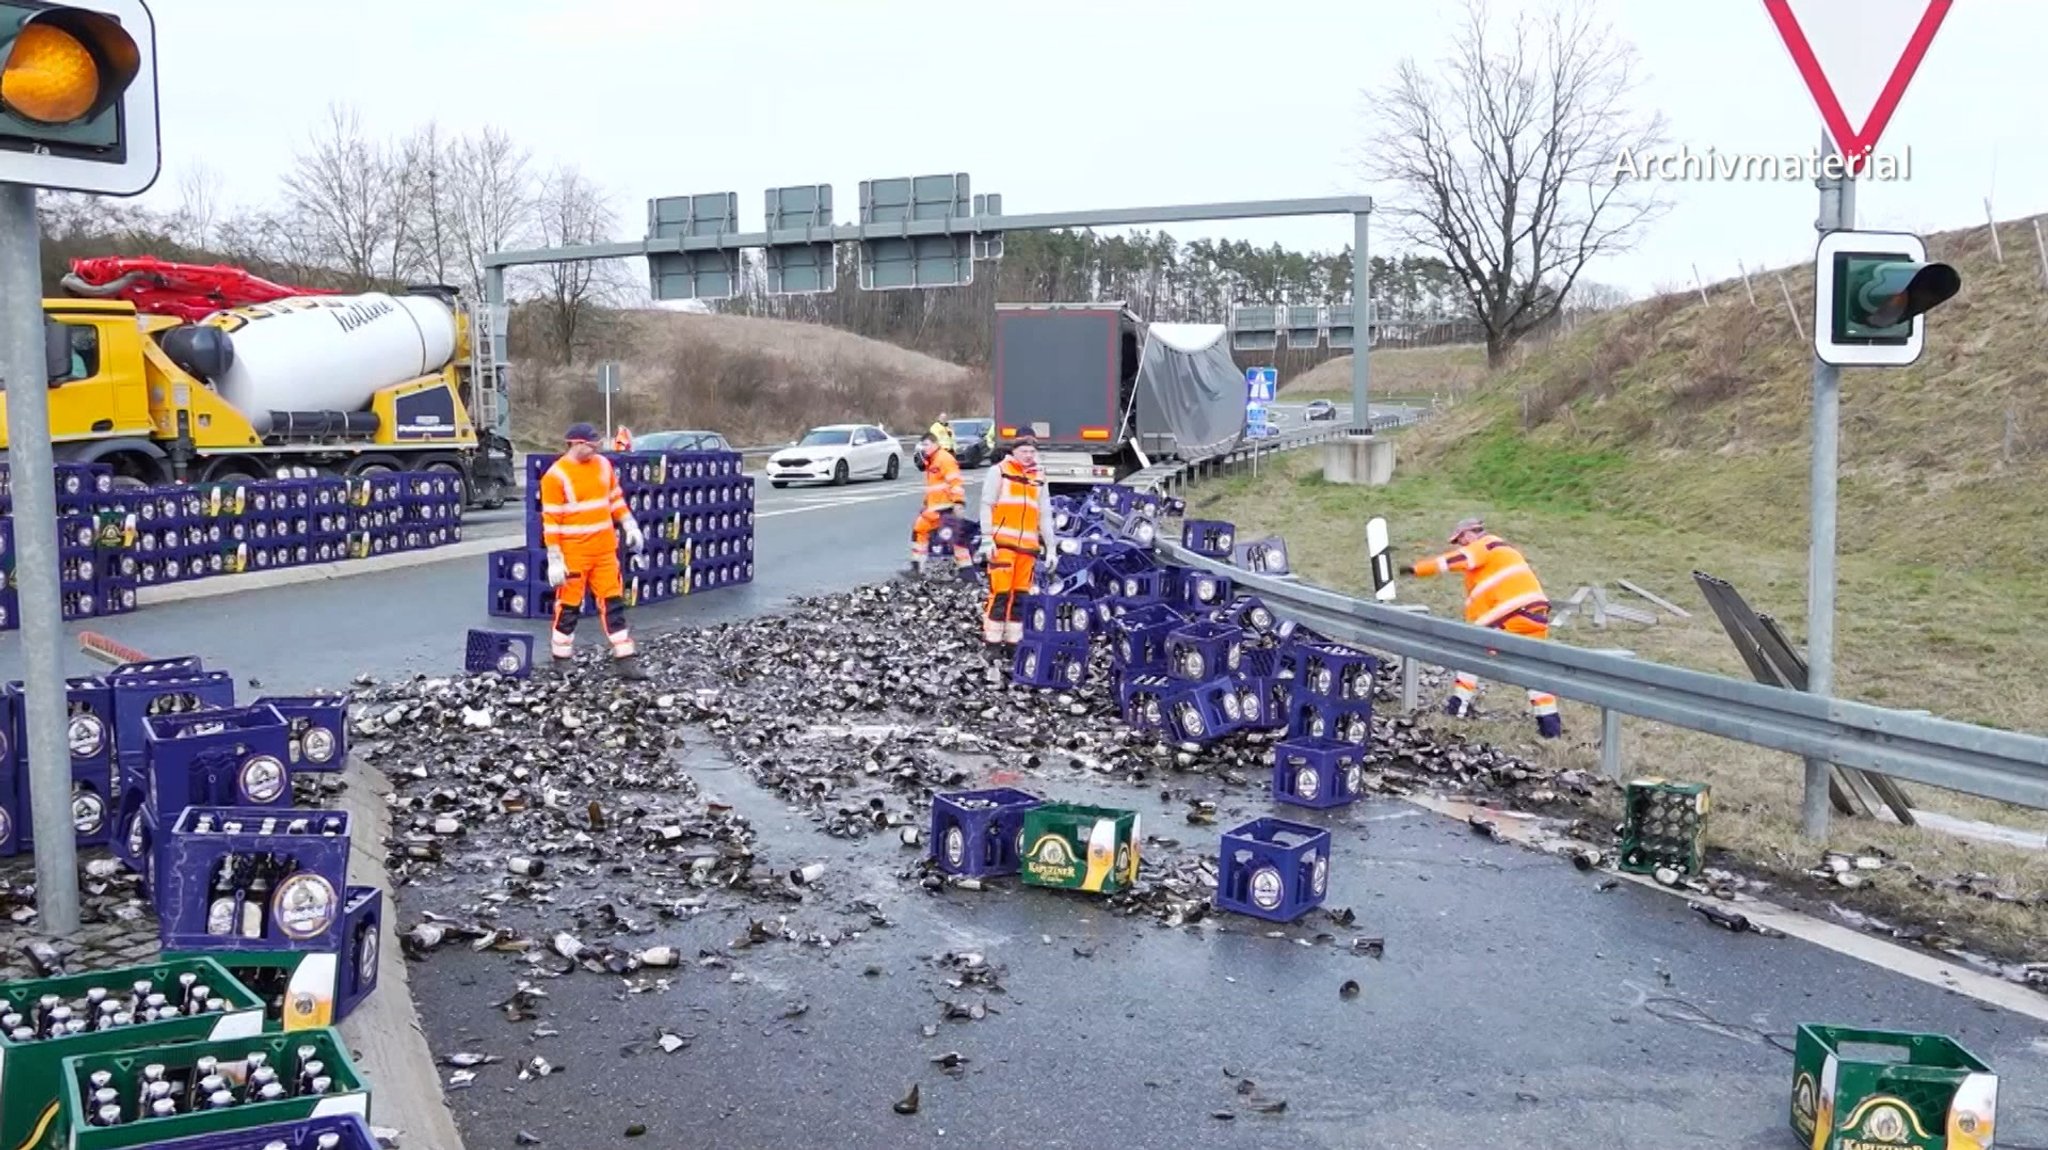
(78, 96)
(1871, 290)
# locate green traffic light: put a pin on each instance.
(1877, 295)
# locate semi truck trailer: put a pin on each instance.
(1107, 395)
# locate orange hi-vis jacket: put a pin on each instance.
(579, 503)
(943, 484)
(623, 441)
(1012, 521)
(1498, 579)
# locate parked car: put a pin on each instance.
(681, 441)
(970, 442)
(837, 453)
(1322, 409)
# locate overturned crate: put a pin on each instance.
(1856, 1089)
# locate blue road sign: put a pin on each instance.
(1256, 419)
(1261, 384)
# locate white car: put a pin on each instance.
(837, 454)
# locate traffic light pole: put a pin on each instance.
(47, 747)
(1837, 212)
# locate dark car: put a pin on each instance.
(681, 441)
(971, 442)
(1322, 409)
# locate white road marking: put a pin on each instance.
(846, 501)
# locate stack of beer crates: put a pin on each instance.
(696, 509)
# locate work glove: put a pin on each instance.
(1050, 563)
(985, 549)
(634, 539)
(558, 568)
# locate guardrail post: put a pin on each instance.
(1411, 685)
(1610, 730)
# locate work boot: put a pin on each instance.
(1550, 726)
(628, 667)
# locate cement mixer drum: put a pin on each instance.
(329, 353)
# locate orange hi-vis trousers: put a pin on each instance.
(1465, 688)
(928, 521)
(1009, 576)
(597, 573)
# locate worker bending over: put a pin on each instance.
(945, 493)
(1017, 539)
(1501, 592)
(580, 501)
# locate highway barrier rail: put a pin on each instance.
(2008, 766)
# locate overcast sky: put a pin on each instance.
(1065, 104)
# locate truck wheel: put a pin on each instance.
(373, 465)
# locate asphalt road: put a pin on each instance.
(1516, 1005)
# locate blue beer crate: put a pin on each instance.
(1262, 556)
(979, 834)
(230, 756)
(1050, 615)
(318, 726)
(1053, 659)
(503, 652)
(1210, 538)
(331, 1132)
(1273, 869)
(1332, 671)
(89, 734)
(525, 599)
(1139, 637)
(1196, 590)
(1259, 706)
(1318, 717)
(1204, 650)
(1141, 699)
(1320, 773)
(214, 856)
(1198, 714)
(148, 689)
(116, 594)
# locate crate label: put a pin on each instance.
(1881, 1122)
(1052, 859)
(1824, 1116)
(1972, 1113)
(1805, 1106)
(309, 998)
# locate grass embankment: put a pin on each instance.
(1671, 437)
(1413, 377)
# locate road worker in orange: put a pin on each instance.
(580, 502)
(945, 494)
(1017, 539)
(622, 440)
(1501, 591)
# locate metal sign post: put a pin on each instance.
(1862, 73)
(30, 462)
(608, 383)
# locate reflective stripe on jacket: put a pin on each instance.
(1016, 509)
(1498, 579)
(943, 485)
(580, 501)
(943, 432)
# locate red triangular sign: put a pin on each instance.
(1845, 25)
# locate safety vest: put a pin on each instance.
(943, 432)
(943, 485)
(623, 441)
(1014, 522)
(579, 500)
(1498, 579)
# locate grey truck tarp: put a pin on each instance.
(1190, 387)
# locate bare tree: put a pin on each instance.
(573, 210)
(430, 230)
(339, 192)
(198, 210)
(491, 190)
(1505, 157)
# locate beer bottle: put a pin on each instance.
(254, 896)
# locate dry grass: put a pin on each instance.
(755, 380)
(1446, 373)
(1670, 438)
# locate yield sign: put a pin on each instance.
(1871, 49)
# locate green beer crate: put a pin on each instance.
(1664, 824)
(31, 1086)
(347, 1093)
(1072, 847)
(1889, 1090)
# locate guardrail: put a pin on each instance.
(2008, 766)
